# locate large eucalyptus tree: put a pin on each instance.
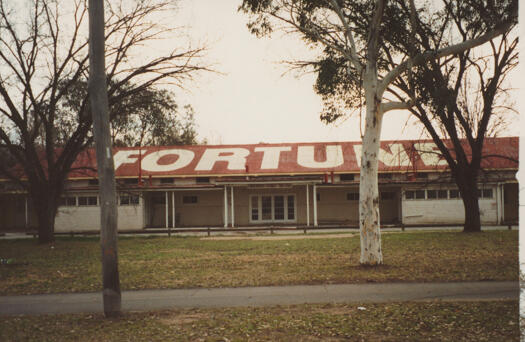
(359, 34)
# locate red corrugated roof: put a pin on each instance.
(292, 158)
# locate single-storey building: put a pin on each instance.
(295, 184)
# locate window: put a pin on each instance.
(485, 193)
(129, 200)
(384, 176)
(87, 200)
(189, 199)
(291, 207)
(266, 211)
(255, 208)
(68, 201)
(431, 194)
(202, 180)
(346, 177)
(387, 195)
(266, 208)
(93, 182)
(168, 180)
(352, 196)
(420, 194)
(442, 194)
(278, 202)
(454, 193)
(410, 194)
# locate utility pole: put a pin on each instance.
(106, 171)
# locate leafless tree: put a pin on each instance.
(43, 53)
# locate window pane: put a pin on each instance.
(442, 194)
(124, 200)
(431, 194)
(454, 193)
(279, 207)
(266, 203)
(255, 208)
(134, 199)
(68, 201)
(409, 194)
(87, 200)
(291, 208)
(487, 193)
(420, 194)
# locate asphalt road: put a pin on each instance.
(146, 300)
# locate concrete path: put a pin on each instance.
(261, 296)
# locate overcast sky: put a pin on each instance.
(252, 101)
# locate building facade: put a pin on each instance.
(299, 184)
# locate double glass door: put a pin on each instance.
(272, 208)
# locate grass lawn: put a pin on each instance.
(435, 321)
(73, 264)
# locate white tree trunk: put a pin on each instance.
(371, 253)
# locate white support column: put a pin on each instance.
(225, 206)
(27, 213)
(315, 204)
(232, 208)
(307, 205)
(167, 223)
(173, 208)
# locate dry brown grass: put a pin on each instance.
(73, 265)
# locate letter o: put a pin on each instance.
(150, 162)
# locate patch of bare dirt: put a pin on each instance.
(181, 319)
(279, 238)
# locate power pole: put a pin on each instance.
(106, 171)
